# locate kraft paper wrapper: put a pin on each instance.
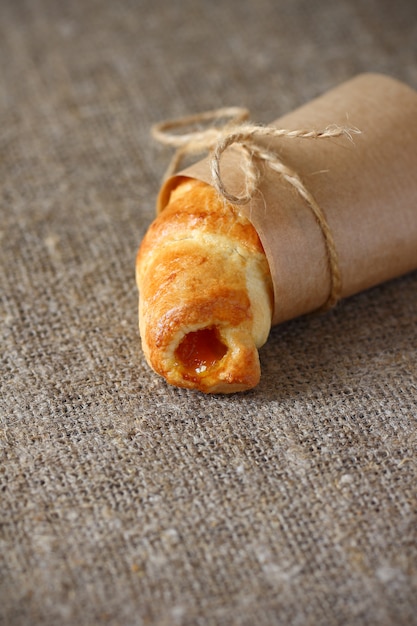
(366, 187)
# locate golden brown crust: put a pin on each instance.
(205, 293)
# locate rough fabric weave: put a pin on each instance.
(124, 501)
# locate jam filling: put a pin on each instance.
(200, 350)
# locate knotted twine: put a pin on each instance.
(216, 139)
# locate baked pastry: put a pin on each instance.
(205, 293)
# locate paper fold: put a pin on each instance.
(366, 187)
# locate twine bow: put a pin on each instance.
(216, 138)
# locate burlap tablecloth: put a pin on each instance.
(124, 501)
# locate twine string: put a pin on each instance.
(217, 137)
(196, 141)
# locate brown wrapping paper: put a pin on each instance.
(366, 187)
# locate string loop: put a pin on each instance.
(217, 137)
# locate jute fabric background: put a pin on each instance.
(124, 501)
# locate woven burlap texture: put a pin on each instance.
(124, 501)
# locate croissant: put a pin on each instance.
(205, 293)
